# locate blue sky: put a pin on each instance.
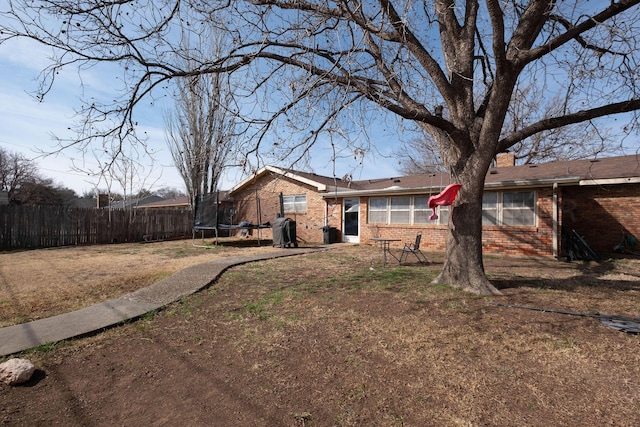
(27, 127)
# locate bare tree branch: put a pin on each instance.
(568, 119)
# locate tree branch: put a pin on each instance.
(574, 32)
(557, 122)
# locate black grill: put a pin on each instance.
(284, 232)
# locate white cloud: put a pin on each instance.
(27, 126)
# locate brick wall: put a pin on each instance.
(433, 236)
(531, 241)
(505, 160)
(525, 240)
(602, 213)
(599, 213)
(266, 190)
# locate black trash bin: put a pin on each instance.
(330, 235)
(284, 232)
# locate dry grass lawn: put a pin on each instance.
(323, 340)
(45, 282)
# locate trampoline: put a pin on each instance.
(206, 215)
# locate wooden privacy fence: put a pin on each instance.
(28, 227)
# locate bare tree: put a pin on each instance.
(15, 171)
(43, 191)
(578, 141)
(324, 63)
(573, 142)
(418, 156)
(201, 128)
(169, 192)
(132, 176)
(19, 176)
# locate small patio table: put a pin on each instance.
(385, 246)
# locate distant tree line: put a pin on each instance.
(25, 185)
(19, 176)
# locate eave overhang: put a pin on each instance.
(283, 173)
(498, 185)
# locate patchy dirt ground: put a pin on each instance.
(323, 340)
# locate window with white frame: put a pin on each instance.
(296, 203)
(421, 211)
(378, 210)
(498, 208)
(490, 208)
(511, 208)
(518, 208)
(443, 215)
(400, 210)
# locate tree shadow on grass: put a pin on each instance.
(566, 276)
(566, 284)
(244, 243)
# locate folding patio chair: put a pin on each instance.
(413, 248)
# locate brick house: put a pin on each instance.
(525, 208)
(262, 197)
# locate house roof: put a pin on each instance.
(174, 202)
(610, 170)
(134, 202)
(620, 169)
(178, 202)
(321, 183)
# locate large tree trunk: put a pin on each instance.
(463, 267)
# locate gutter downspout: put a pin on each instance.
(555, 220)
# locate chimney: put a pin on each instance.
(102, 200)
(505, 159)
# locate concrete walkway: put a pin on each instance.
(17, 338)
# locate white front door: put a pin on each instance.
(351, 220)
